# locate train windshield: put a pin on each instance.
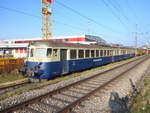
(40, 52)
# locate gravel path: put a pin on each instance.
(99, 102)
(33, 93)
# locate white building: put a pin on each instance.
(18, 48)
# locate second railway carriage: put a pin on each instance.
(48, 59)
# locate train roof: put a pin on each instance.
(51, 43)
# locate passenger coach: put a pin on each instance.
(48, 59)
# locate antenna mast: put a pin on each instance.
(46, 19)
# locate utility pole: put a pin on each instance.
(136, 38)
(147, 43)
(46, 19)
(136, 41)
(147, 47)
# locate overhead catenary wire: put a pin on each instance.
(86, 17)
(119, 9)
(38, 17)
(115, 15)
(132, 10)
(18, 11)
(71, 26)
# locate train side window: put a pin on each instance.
(116, 53)
(121, 52)
(55, 51)
(92, 53)
(81, 53)
(97, 53)
(104, 52)
(49, 52)
(31, 52)
(87, 53)
(28, 52)
(73, 54)
(112, 52)
(108, 53)
(101, 52)
(124, 51)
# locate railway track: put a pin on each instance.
(63, 99)
(9, 88)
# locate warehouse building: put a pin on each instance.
(18, 48)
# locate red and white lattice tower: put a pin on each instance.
(46, 19)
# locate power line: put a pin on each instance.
(18, 11)
(115, 15)
(133, 12)
(84, 16)
(123, 13)
(38, 17)
(71, 26)
(67, 18)
(119, 9)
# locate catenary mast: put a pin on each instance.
(46, 19)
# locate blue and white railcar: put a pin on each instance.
(49, 59)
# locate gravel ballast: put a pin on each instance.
(89, 106)
(99, 103)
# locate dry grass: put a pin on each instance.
(10, 77)
(142, 101)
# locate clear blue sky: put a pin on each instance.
(113, 20)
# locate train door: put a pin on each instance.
(63, 59)
(113, 54)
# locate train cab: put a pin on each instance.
(46, 61)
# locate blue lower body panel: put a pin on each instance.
(48, 70)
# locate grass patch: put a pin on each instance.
(142, 101)
(10, 78)
(58, 79)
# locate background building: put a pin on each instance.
(18, 48)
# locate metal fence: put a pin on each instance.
(9, 64)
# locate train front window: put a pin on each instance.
(49, 52)
(40, 52)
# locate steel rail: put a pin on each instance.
(14, 85)
(8, 88)
(36, 99)
(78, 101)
